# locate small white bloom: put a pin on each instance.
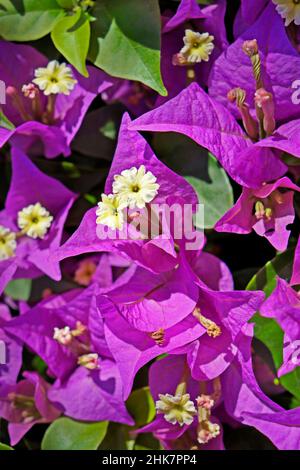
(176, 409)
(197, 46)
(63, 335)
(110, 212)
(8, 243)
(34, 220)
(135, 187)
(55, 78)
(288, 10)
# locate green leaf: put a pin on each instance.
(291, 382)
(267, 330)
(67, 434)
(67, 4)
(141, 406)
(71, 169)
(280, 266)
(109, 130)
(216, 195)
(19, 289)
(73, 45)
(126, 41)
(5, 447)
(5, 122)
(28, 20)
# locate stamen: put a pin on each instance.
(251, 50)
(63, 335)
(32, 92)
(158, 336)
(261, 211)
(26, 404)
(238, 96)
(17, 103)
(212, 328)
(264, 100)
(89, 361)
(206, 430)
(84, 273)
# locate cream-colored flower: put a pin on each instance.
(197, 46)
(63, 335)
(89, 361)
(176, 409)
(34, 220)
(288, 10)
(110, 212)
(55, 78)
(8, 243)
(136, 187)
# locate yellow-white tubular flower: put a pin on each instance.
(34, 220)
(289, 10)
(55, 78)
(110, 212)
(176, 409)
(8, 243)
(197, 46)
(135, 187)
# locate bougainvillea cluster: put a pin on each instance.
(186, 335)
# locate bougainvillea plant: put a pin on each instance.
(149, 224)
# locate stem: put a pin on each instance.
(50, 110)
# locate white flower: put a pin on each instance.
(289, 10)
(63, 335)
(55, 78)
(197, 46)
(34, 220)
(176, 409)
(135, 187)
(8, 243)
(110, 212)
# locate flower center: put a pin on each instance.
(176, 408)
(135, 188)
